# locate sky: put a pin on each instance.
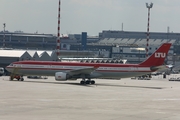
(91, 16)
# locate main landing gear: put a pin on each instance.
(89, 81)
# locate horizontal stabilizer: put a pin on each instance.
(161, 67)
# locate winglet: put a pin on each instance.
(158, 57)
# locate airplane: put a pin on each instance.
(64, 71)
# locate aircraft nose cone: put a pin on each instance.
(8, 69)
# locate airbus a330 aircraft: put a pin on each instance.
(73, 70)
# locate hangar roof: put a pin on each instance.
(130, 41)
(18, 53)
(11, 53)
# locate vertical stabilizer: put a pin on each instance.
(158, 57)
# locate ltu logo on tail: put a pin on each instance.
(160, 55)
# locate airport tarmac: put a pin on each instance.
(126, 99)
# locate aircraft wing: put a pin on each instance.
(81, 71)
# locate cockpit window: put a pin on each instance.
(11, 64)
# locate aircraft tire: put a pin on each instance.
(92, 82)
(22, 79)
(88, 82)
(82, 82)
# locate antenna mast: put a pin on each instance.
(4, 37)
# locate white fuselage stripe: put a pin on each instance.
(68, 67)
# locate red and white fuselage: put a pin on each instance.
(104, 70)
(74, 70)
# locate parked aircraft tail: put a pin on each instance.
(158, 57)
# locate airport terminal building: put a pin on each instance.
(113, 44)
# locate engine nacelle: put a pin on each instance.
(61, 76)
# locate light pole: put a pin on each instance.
(149, 6)
(4, 24)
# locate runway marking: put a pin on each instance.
(167, 99)
(50, 100)
(161, 112)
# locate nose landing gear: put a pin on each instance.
(18, 77)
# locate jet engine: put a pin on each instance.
(61, 76)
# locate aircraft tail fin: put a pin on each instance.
(158, 57)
